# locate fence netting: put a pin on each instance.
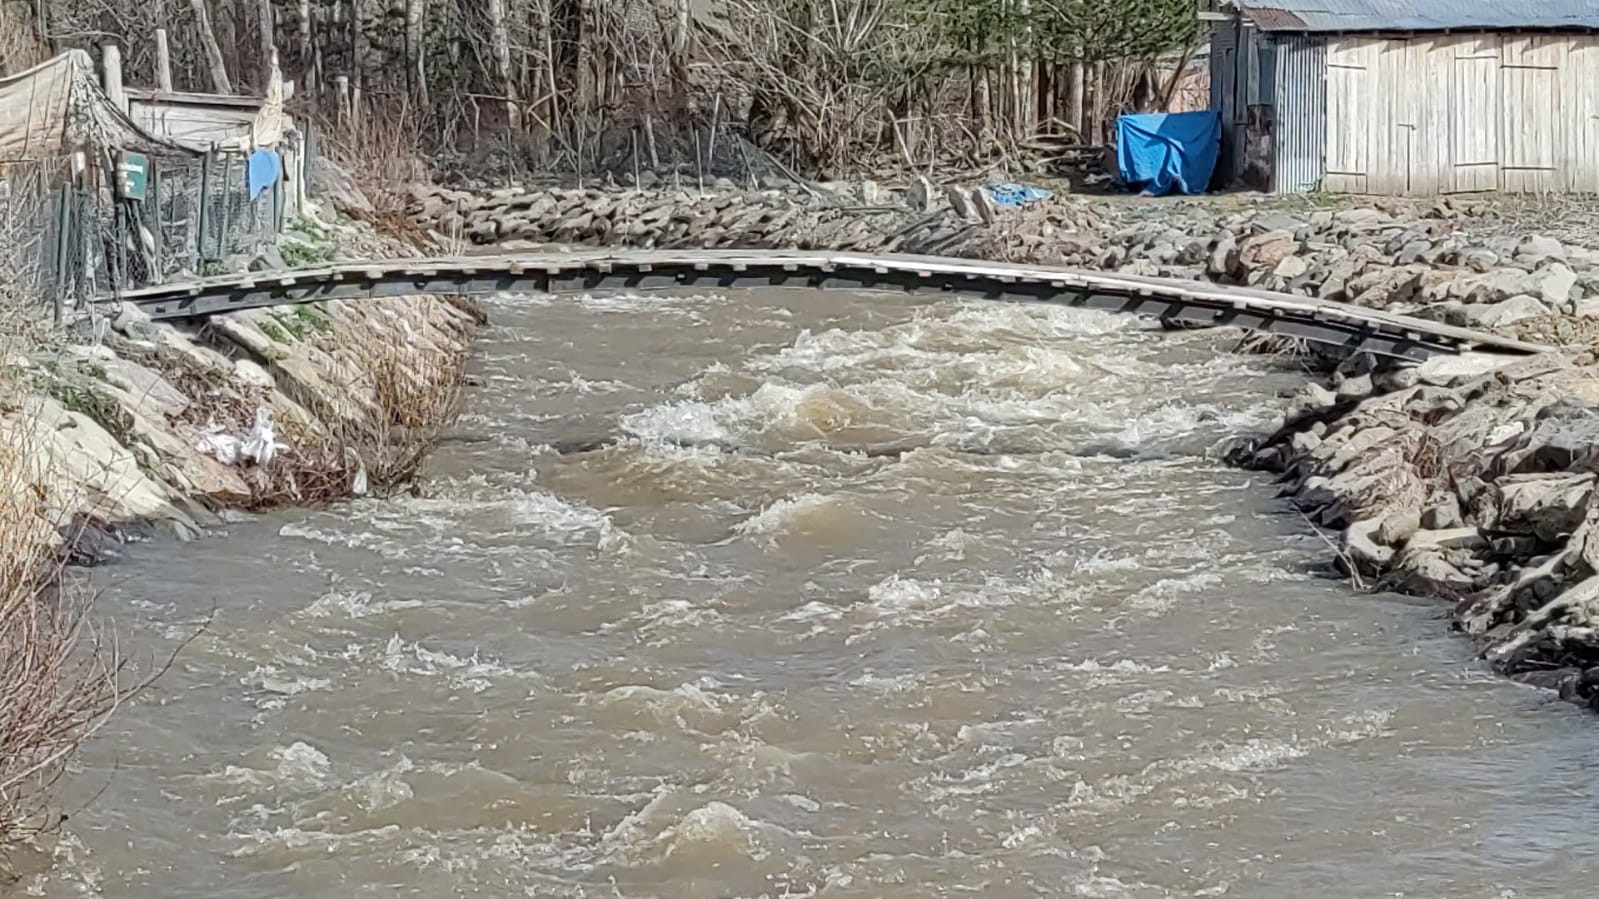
(66, 237)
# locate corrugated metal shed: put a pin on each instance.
(1326, 16)
(1300, 116)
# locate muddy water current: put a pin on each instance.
(799, 594)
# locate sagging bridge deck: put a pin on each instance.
(1186, 302)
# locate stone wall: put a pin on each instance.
(1458, 263)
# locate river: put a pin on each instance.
(795, 594)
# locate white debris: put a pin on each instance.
(257, 447)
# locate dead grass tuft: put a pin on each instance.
(381, 149)
(410, 392)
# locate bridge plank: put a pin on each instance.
(1313, 319)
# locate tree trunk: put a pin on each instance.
(675, 24)
(357, 48)
(213, 53)
(268, 40)
(1079, 96)
(983, 107)
(415, 71)
(1170, 90)
(547, 113)
(587, 89)
(500, 48)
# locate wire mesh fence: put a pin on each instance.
(66, 236)
(232, 221)
(29, 226)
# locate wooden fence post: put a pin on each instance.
(163, 62)
(111, 75)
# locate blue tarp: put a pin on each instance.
(1009, 194)
(262, 171)
(1168, 152)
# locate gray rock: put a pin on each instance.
(1546, 506)
(1398, 526)
(1359, 547)
(1355, 388)
(1412, 251)
(1443, 514)
(133, 322)
(1502, 314)
(1443, 371)
(1312, 398)
(1494, 286)
(961, 201)
(250, 374)
(1380, 287)
(1303, 442)
(1363, 216)
(1291, 267)
(1479, 259)
(1265, 251)
(919, 196)
(1224, 257)
(1276, 221)
(1536, 248)
(1553, 283)
(987, 211)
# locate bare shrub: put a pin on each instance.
(380, 146)
(408, 393)
(60, 677)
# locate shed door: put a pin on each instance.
(1530, 106)
(1350, 105)
(1474, 132)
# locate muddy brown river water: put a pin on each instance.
(800, 594)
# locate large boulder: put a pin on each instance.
(1535, 248)
(1265, 251)
(1503, 314)
(1553, 283)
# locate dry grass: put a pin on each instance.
(60, 675)
(409, 393)
(381, 148)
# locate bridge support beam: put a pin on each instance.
(1335, 324)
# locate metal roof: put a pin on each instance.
(1419, 15)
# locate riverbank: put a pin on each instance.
(144, 424)
(120, 428)
(1466, 479)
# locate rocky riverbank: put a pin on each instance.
(1468, 263)
(1471, 479)
(136, 425)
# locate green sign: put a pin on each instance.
(133, 175)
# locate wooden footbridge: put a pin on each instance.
(1169, 300)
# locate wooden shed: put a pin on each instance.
(1408, 96)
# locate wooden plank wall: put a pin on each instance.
(1463, 113)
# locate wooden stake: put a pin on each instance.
(111, 75)
(163, 62)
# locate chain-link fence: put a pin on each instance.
(30, 208)
(231, 221)
(65, 237)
